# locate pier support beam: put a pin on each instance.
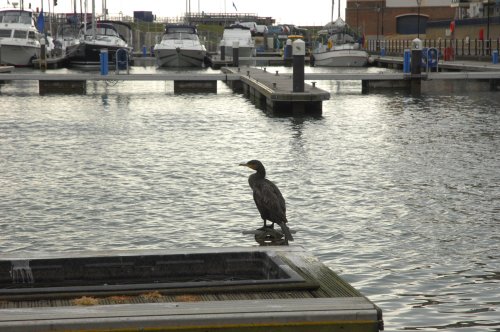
(195, 86)
(62, 87)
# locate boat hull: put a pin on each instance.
(18, 55)
(90, 53)
(178, 57)
(341, 58)
(243, 51)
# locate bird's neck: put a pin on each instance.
(260, 174)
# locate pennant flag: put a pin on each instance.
(235, 6)
(40, 22)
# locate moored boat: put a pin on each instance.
(241, 34)
(19, 37)
(337, 47)
(180, 47)
(95, 38)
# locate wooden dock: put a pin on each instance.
(273, 92)
(269, 90)
(255, 289)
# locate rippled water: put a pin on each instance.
(398, 194)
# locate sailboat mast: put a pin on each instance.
(94, 27)
(339, 8)
(333, 5)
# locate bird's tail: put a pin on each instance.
(286, 231)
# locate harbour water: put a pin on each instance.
(397, 193)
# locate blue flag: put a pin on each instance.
(235, 6)
(40, 22)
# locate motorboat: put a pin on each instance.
(94, 38)
(67, 37)
(241, 34)
(337, 47)
(19, 37)
(180, 46)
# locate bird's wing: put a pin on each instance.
(270, 201)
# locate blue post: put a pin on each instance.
(382, 51)
(495, 57)
(103, 57)
(406, 61)
(144, 51)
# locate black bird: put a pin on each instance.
(268, 198)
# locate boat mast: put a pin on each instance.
(339, 8)
(93, 21)
(333, 5)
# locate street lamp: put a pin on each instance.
(418, 18)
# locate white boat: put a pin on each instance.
(337, 47)
(180, 46)
(241, 34)
(19, 37)
(67, 38)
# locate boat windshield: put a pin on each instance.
(180, 35)
(103, 31)
(15, 16)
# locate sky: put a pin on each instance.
(284, 11)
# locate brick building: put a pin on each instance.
(396, 18)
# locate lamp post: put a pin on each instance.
(357, 17)
(418, 18)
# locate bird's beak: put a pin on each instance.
(244, 164)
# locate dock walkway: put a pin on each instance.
(273, 91)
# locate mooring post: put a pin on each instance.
(416, 65)
(222, 50)
(43, 55)
(299, 53)
(494, 57)
(104, 61)
(287, 54)
(236, 53)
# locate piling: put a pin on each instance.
(236, 54)
(222, 51)
(43, 55)
(299, 53)
(287, 54)
(416, 66)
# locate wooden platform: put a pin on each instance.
(325, 302)
(273, 92)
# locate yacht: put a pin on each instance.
(241, 34)
(19, 37)
(94, 38)
(180, 46)
(337, 47)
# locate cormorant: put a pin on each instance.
(268, 198)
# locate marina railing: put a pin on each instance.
(448, 48)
